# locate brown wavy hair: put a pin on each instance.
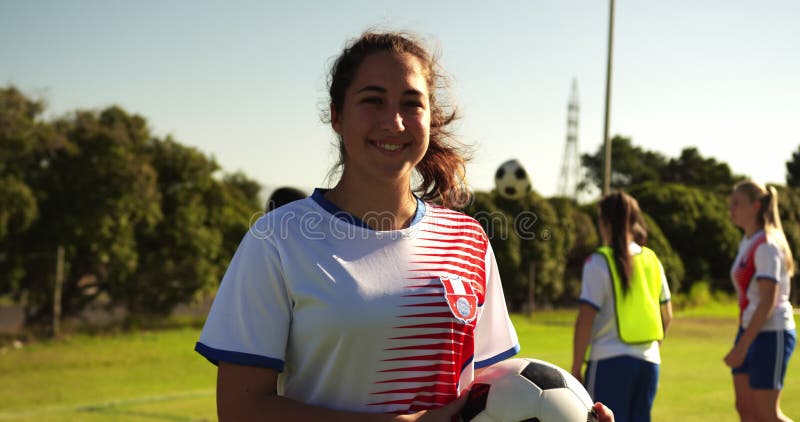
(442, 170)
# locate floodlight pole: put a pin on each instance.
(606, 139)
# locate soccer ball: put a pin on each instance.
(520, 390)
(511, 180)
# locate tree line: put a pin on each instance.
(144, 222)
(147, 223)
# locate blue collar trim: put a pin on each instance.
(319, 197)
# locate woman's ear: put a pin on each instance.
(335, 123)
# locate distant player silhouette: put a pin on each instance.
(283, 196)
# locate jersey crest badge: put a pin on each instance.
(461, 298)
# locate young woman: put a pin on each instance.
(624, 313)
(761, 274)
(365, 302)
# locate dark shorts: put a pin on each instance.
(767, 358)
(627, 385)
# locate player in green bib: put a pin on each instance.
(625, 310)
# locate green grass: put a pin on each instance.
(126, 377)
(155, 376)
(695, 384)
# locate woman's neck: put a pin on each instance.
(382, 206)
(752, 229)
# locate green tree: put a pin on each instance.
(789, 208)
(204, 219)
(692, 169)
(27, 144)
(630, 164)
(146, 223)
(581, 238)
(92, 195)
(697, 226)
(793, 170)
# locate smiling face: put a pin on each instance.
(385, 119)
(743, 210)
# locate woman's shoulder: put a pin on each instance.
(769, 248)
(595, 260)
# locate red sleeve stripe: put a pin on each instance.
(437, 367)
(469, 258)
(447, 262)
(449, 335)
(429, 378)
(427, 304)
(430, 388)
(480, 245)
(430, 315)
(442, 357)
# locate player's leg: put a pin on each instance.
(767, 407)
(744, 397)
(611, 381)
(741, 387)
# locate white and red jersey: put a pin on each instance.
(358, 319)
(759, 258)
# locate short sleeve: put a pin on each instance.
(768, 262)
(595, 281)
(495, 336)
(248, 323)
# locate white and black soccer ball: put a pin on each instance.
(511, 180)
(527, 390)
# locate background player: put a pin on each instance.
(625, 310)
(761, 274)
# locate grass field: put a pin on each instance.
(155, 376)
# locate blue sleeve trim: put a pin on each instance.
(667, 300)
(502, 356)
(768, 278)
(590, 303)
(216, 356)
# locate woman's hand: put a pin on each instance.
(448, 413)
(735, 358)
(604, 414)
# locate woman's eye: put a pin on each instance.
(372, 100)
(415, 104)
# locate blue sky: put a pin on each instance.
(244, 81)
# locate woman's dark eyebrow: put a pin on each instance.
(383, 90)
(372, 88)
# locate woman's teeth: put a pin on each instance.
(389, 147)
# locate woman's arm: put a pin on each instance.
(666, 315)
(768, 292)
(248, 393)
(583, 333)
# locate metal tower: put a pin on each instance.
(570, 165)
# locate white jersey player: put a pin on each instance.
(366, 302)
(761, 274)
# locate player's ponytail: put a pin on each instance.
(769, 217)
(620, 213)
(441, 171)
